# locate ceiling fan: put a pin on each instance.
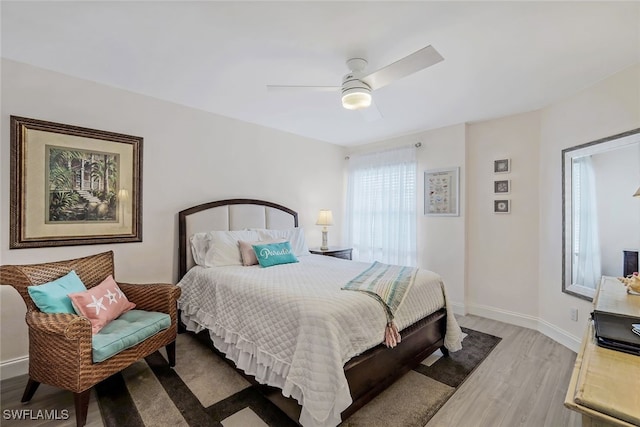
(357, 85)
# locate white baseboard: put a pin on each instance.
(559, 335)
(505, 316)
(458, 308)
(14, 367)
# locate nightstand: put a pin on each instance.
(333, 251)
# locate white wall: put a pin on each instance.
(607, 108)
(502, 249)
(441, 239)
(190, 157)
(617, 175)
(515, 261)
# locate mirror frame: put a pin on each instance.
(568, 154)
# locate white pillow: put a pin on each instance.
(294, 235)
(224, 248)
(199, 247)
(219, 248)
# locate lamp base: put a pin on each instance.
(325, 245)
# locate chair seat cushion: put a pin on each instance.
(128, 330)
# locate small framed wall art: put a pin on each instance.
(442, 192)
(502, 186)
(501, 206)
(502, 166)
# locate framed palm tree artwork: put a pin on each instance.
(73, 186)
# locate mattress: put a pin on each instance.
(292, 327)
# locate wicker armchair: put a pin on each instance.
(60, 351)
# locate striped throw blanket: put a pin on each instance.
(388, 284)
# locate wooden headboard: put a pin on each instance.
(231, 214)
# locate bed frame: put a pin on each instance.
(367, 374)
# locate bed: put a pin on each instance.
(292, 329)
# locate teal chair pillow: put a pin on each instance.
(274, 254)
(53, 297)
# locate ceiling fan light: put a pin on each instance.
(356, 98)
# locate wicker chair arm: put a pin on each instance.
(159, 297)
(60, 351)
(69, 326)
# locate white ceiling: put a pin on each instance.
(501, 58)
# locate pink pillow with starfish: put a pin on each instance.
(101, 304)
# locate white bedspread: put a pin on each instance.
(292, 327)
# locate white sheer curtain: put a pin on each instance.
(586, 242)
(381, 206)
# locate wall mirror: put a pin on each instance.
(601, 216)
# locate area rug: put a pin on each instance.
(203, 390)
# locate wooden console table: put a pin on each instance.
(605, 384)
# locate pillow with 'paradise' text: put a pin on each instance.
(295, 236)
(270, 254)
(247, 253)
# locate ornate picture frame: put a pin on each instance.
(73, 186)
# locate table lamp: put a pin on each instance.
(123, 199)
(325, 217)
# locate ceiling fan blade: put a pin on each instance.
(417, 61)
(371, 113)
(284, 88)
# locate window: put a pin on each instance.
(381, 206)
(575, 193)
(586, 244)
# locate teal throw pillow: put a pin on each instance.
(53, 297)
(274, 253)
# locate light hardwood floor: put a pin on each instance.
(521, 383)
(47, 398)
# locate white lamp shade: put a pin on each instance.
(325, 217)
(123, 195)
(637, 194)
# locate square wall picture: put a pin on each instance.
(502, 166)
(502, 186)
(501, 206)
